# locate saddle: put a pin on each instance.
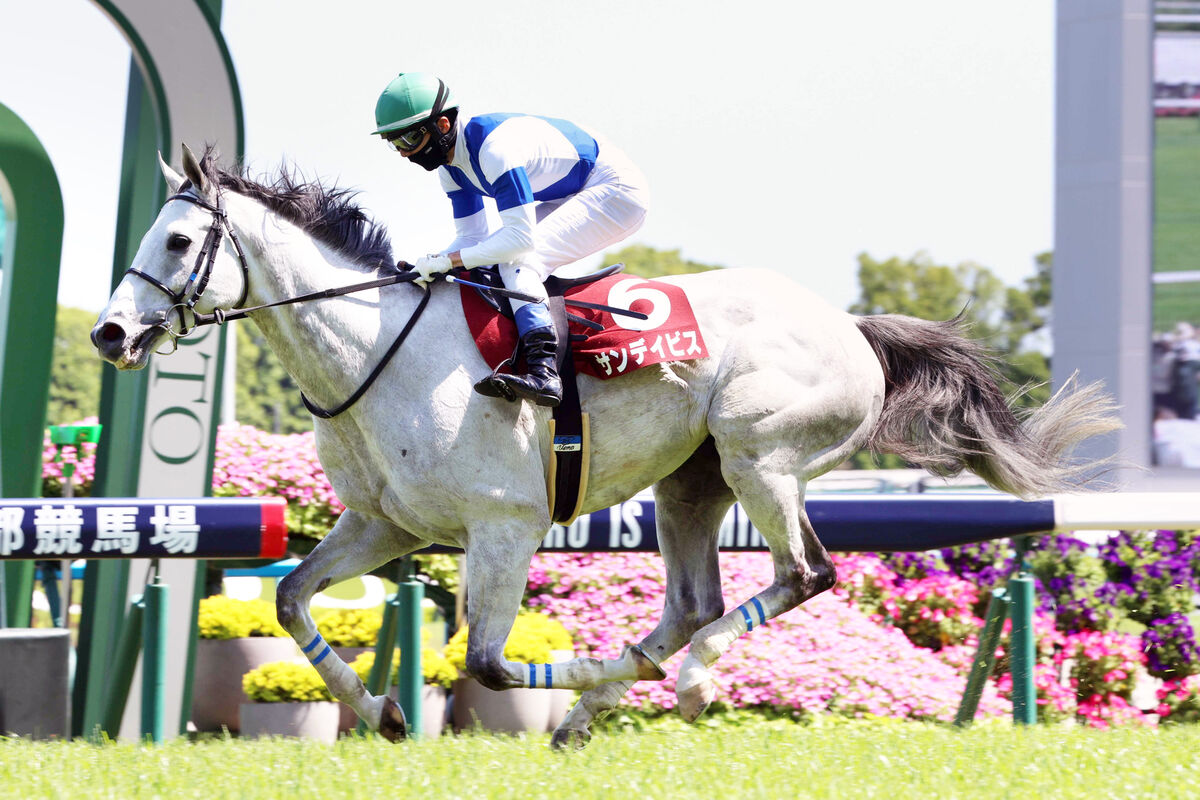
(566, 480)
(608, 325)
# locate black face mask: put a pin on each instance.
(430, 156)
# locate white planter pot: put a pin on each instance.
(217, 681)
(348, 654)
(433, 711)
(318, 721)
(510, 711)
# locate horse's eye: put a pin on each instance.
(178, 242)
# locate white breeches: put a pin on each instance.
(609, 208)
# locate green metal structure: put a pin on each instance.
(162, 106)
(1015, 602)
(33, 214)
(165, 104)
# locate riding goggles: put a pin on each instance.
(408, 139)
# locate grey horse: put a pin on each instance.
(791, 388)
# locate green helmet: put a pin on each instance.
(410, 98)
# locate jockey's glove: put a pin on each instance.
(430, 267)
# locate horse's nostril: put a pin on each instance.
(109, 333)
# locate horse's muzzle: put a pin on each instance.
(119, 346)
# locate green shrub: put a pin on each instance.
(435, 667)
(532, 638)
(1156, 567)
(439, 568)
(1074, 579)
(351, 627)
(223, 617)
(285, 682)
(1179, 701)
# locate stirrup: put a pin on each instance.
(499, 386)
(494, 386)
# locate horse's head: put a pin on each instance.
(189, 262)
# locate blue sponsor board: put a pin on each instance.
(911, 523)
(253, 527)
(844, 523)
(55, 528)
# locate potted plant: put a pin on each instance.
(288, 698)
(439, 675)
(535, 639)
(235, 637)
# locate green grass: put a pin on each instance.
(1176, 218)
(766, 759)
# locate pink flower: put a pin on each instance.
(826, 656)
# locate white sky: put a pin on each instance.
(792, 136)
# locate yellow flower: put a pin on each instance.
(532, 638)
(436, 670)
(351, 627)
(285, 682)
(223, 617)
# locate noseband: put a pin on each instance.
(184, 301)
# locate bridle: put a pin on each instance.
(184, 301)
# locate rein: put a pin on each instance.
(324, 413)
(198, 280)
(220, 316)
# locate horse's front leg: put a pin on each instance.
(355, 545)
(497, 570)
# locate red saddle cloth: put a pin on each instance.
(670, 333)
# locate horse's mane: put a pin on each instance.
(329, 214)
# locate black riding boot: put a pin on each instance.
(541, 385)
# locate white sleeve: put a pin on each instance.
(513, 240)
(468, 231)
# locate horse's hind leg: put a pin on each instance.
(803, 569)
(355, 545)
(789, 409)
(689, 506)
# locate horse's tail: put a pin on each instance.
(944, 411)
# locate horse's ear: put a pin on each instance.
(174, 179)
(191, 168)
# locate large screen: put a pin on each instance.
(1175, 348)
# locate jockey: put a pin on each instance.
(562, 194)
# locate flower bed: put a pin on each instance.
(826, 656)
(1110, 615)
(894, 638)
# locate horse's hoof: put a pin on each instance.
(569, 739)
(695, 701)
(694, 690)
(647, 668)
(392, 725)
